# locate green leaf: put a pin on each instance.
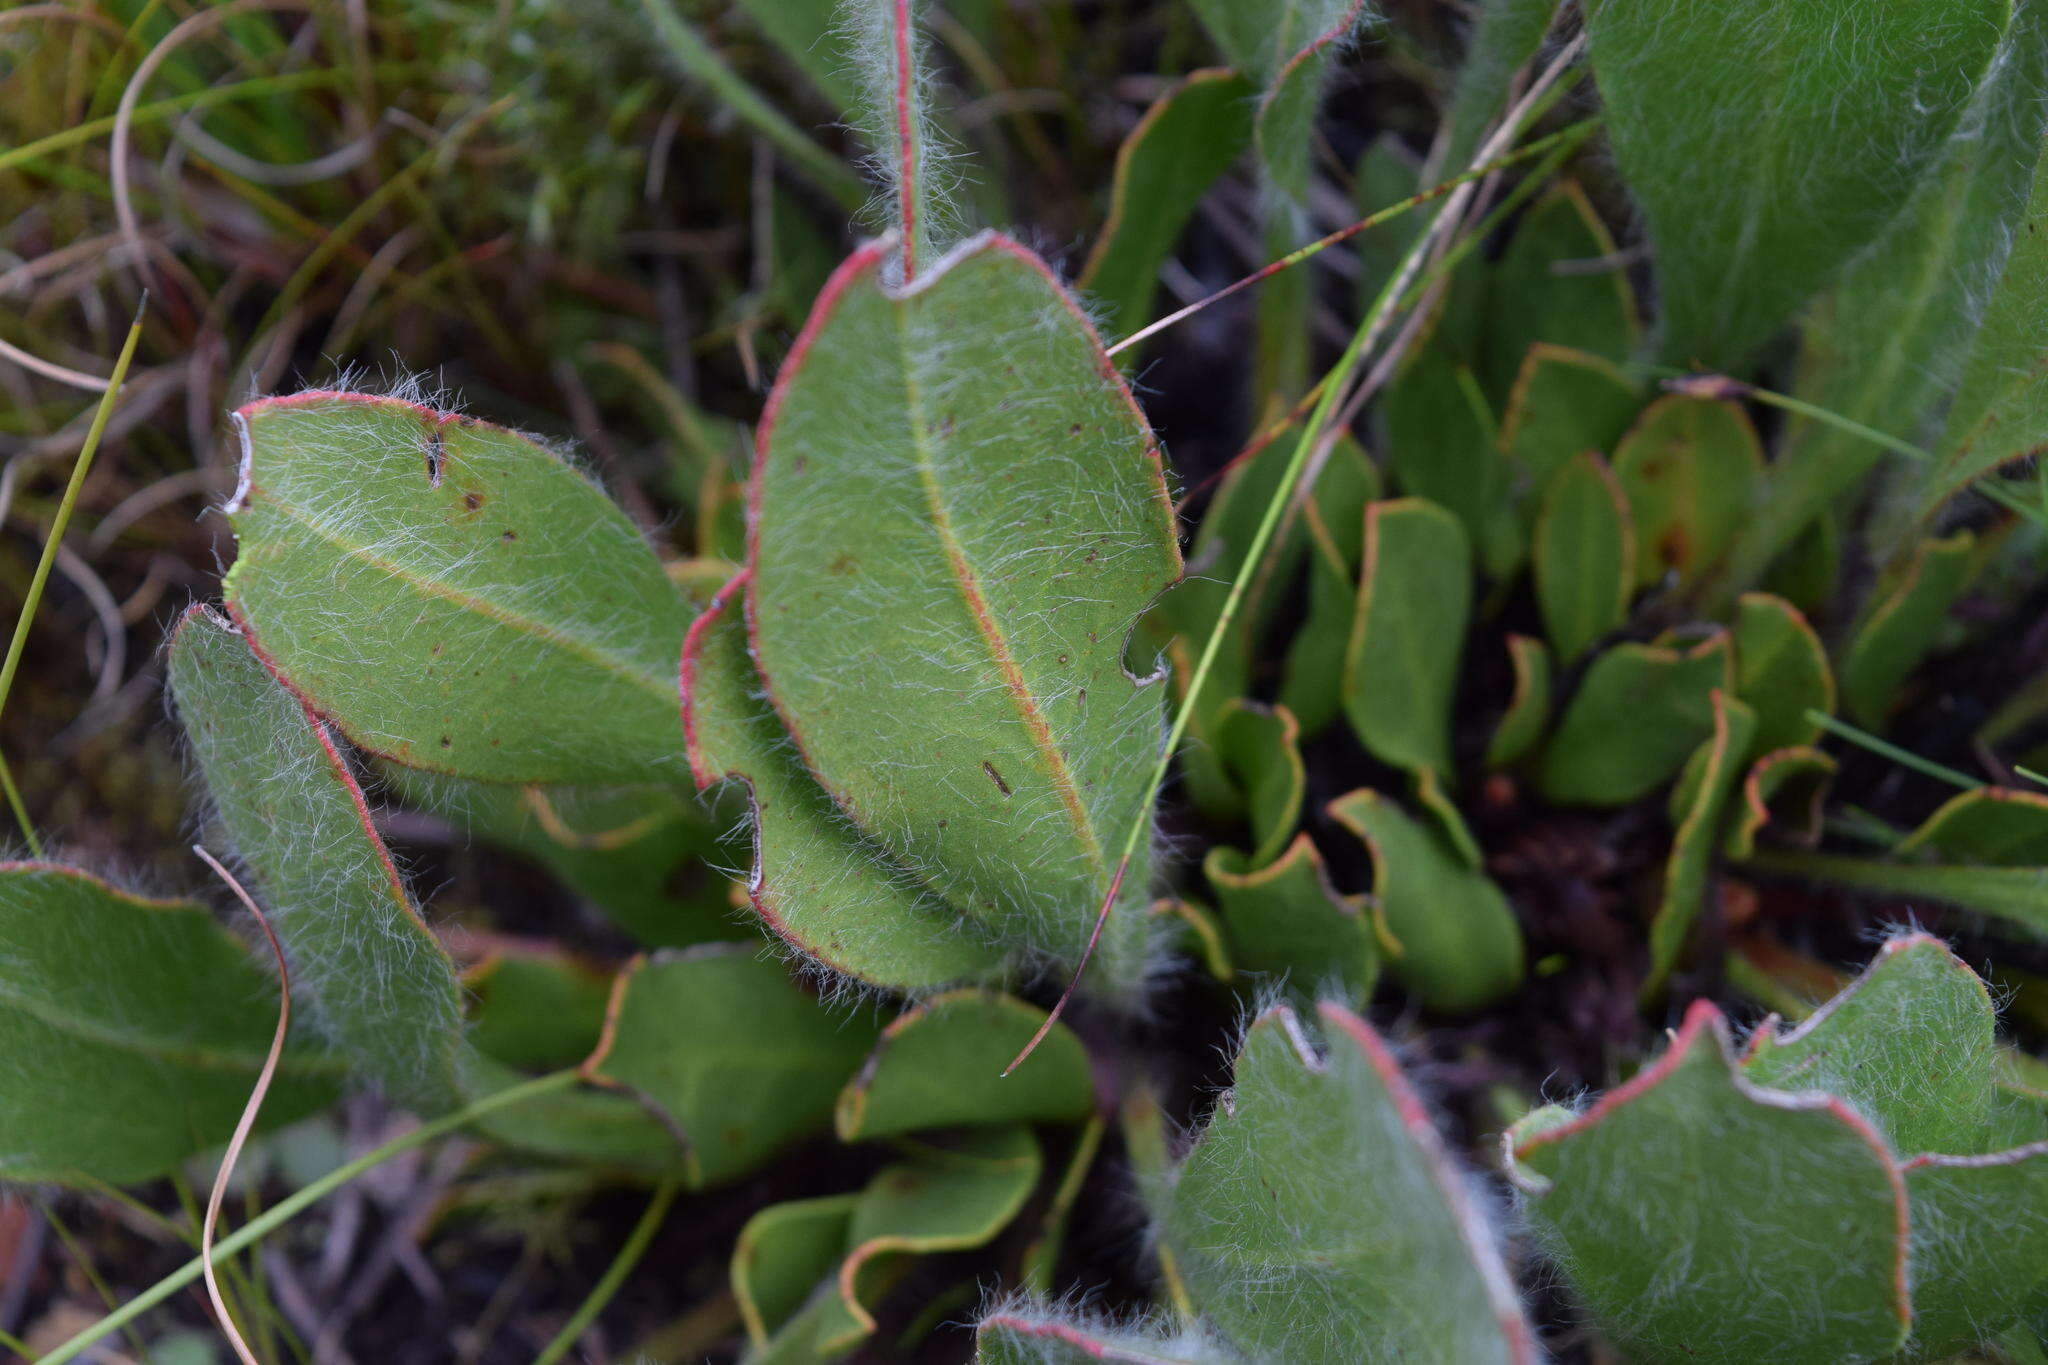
(1640, 711)
(1702, 794)
(1788, 786)
(1442, 444)
(1286, 922)
(1042, 1257)
(1563, 402)
(1909, 1043)
(373, 978)
(941, 1064)
(1455, 942)
(645, 856)
(1194, 606)
(2017, 897)
(1528, 713)
(1781, 672)
(1824, 116)
(1659, 1204)
(451, 594)
(1980, 1244)
(1690, 468)
(1284, 46)
(1334, 519)
(1560, 281)
(826, 890)
(535, 1011)
(1585, 556)
(1196, 934)
(1188, 138)
(1506, 36)
(1387, 174)
(133, 1030)
(1883, 345)
(1260, 747)
(2000, 413)
(1319, 1218)
(1013, 524)
(946, 1201)
(782, 1252)
(1414, 599)
(809, 33)
(1901, 628)
(1312, 31)
(729, 1053)
(1807, 573)
(1991, 825)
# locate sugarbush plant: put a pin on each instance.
(1531, 673)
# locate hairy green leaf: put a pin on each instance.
(1909, 1043)
(1319, 1219)
(1770, 142)
(2000, 413)
(1884, 343)
(1661, 1208)
(1031, 1336)
(133, 1031)
(827, 890)
(374, 979)
(453, 595)
(948, 657)
(1980, 1244)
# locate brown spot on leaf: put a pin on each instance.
(995, 777)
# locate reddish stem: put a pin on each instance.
(906, 188)
(1080, 969)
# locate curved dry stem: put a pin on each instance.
(249, 1112)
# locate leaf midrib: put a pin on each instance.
(470, 601)
(175, 1051)
(967, 579)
